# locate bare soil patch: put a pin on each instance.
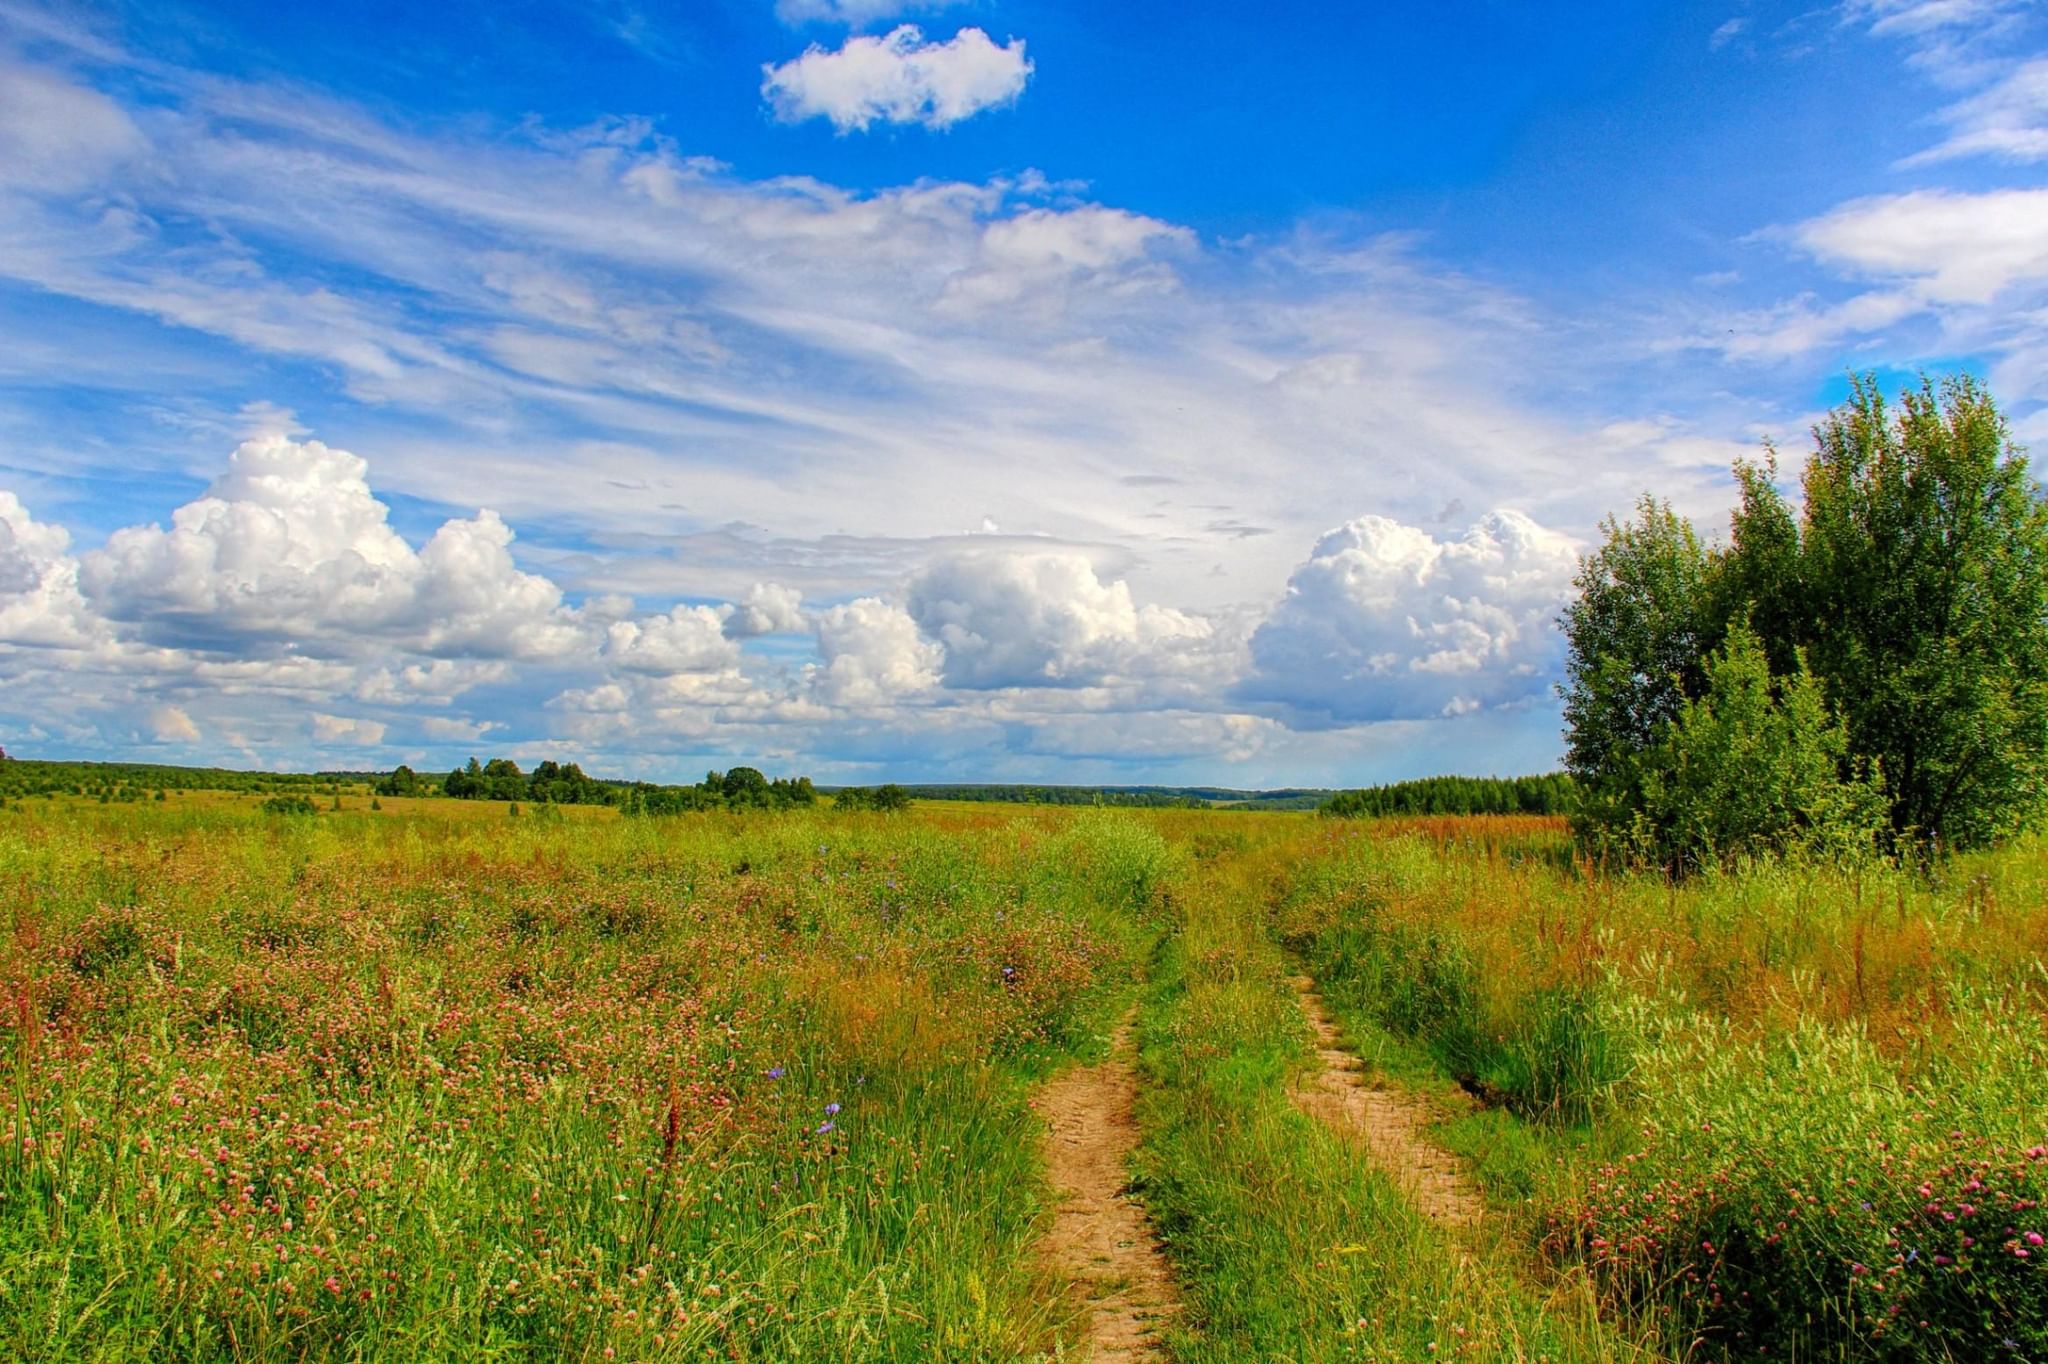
(1100, 1240)
(1391, 1124)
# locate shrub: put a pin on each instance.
(1752, 766)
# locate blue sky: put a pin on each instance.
(1023, 391)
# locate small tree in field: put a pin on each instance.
(1752, 766)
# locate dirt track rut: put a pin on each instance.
(1100, 1239)
(1392, 1126)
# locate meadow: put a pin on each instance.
(438, 1080)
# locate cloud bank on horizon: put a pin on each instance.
(337, 433)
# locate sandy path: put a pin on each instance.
(1100, 1239)
(1391, 1125)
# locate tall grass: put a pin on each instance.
(1789, 1110)
(1289, 1242)
(414, 1084)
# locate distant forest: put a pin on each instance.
(139, 781)
(1141, 797)
(553, 783)
(1546, 795)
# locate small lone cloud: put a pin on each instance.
(345, 729)
(1727, 33)
(172, 725)
(898, 78)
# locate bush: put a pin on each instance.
(288, 805)
(1753, 766)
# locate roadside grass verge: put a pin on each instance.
(1790, 1111)
(1290, 1245)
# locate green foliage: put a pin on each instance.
(1792, 1195)
(1552, 794)
(288, 805)
(435, 1086)
(1639, 636)
(129, 781)
(1753, 766)
(403, 781)
(884, 799)
(1913, 582)
(1923, 581)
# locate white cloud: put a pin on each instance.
(1384, 621)
(2008, 121)
(1948, 247)
(433, 682)
(1802, 325)
(689, 639)
(40, 605)
(1037, 255)
(852, 13)
(770, 391)
(58, 136)
(1010, 618)
(171, 725)
(898, 78)
(767, 609)
(448, 729)
(346, 729)
(871, 654)
(290, 548)
(1727, 33)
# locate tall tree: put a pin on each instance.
(1924, 579)
(1638, 633)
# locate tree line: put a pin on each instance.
(1551, 794)
(553, 783)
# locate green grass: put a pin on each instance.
(354, 1086)
(428, 1081)
(1786, 1112)
(1289, 1243)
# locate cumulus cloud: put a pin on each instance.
(1385, 621)
(871, 654)
(898, 78)
(289, 547)
(689, 639)
(767, 609)
(171, 725)
(40, 604)
(347, 729)
(1044, 619)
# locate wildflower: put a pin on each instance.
(824, 1127)
(831, 1109)
(775, 1073)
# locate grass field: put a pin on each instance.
(436, 1081)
